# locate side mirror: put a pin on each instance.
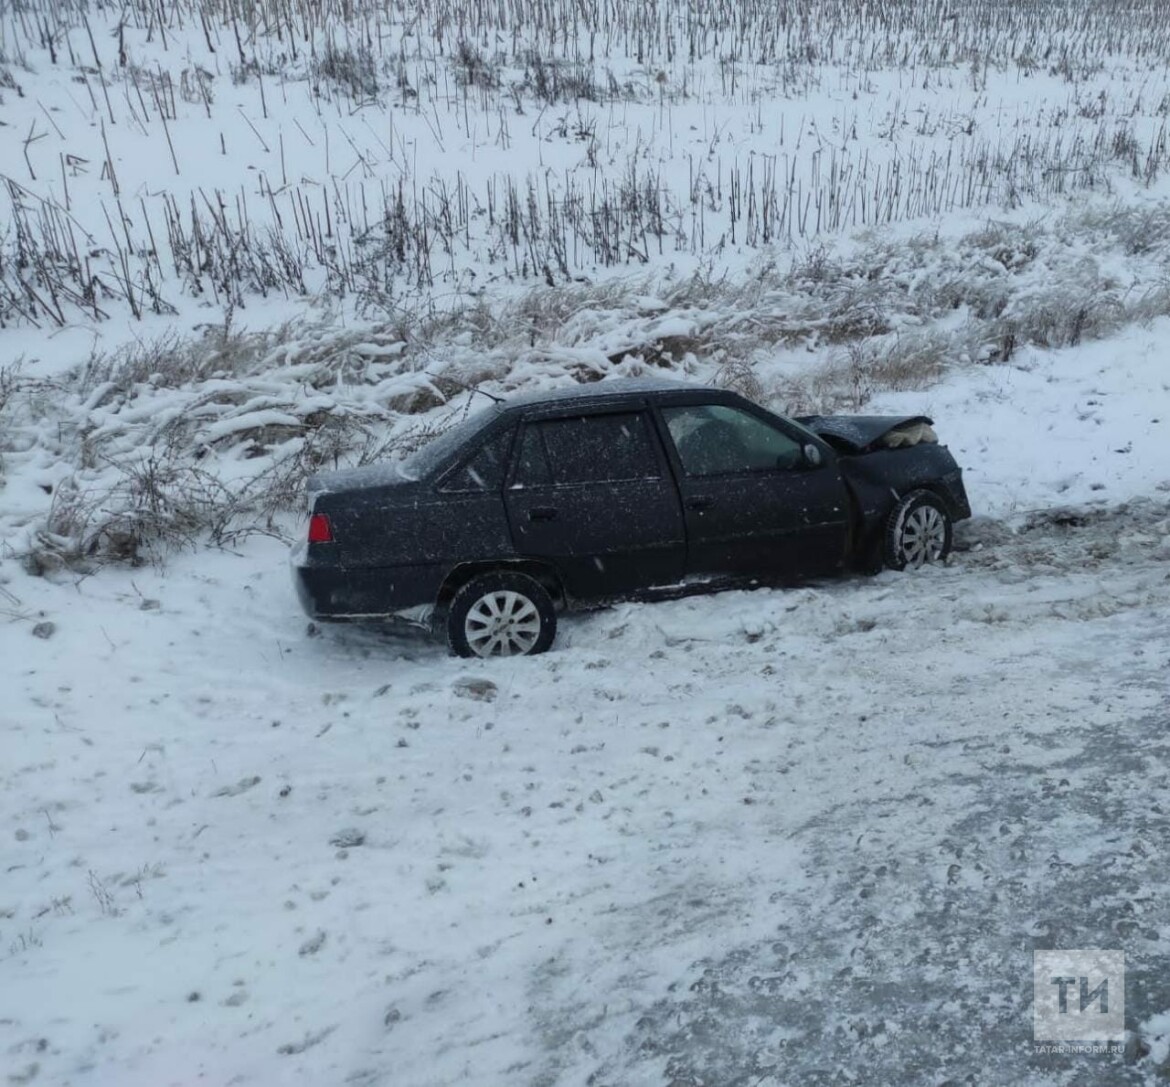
(812, 455)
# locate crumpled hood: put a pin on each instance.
(865, 433)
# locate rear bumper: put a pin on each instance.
(320, 591)
(328, 591)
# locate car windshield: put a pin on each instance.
(425, 462)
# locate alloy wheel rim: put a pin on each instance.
(502, 624)
(924, 535)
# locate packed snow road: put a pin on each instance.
(802, 837)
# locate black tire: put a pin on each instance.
(919, 530)
(501, 614)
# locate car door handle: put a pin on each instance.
(542, 513)
(699, 502)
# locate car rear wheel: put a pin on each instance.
(501, 614)
(919, 531)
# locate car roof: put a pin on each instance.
(449, 448)
(597, 391)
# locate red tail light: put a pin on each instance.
(320, 530)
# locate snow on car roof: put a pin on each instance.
(618, 386)
(478, 414)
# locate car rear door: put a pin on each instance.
(592, 493)
(754, 505)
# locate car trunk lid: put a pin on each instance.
(394, 474)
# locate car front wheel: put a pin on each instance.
(919, 531)
(501, 614)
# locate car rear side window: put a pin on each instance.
(485, 470)
(532, 468)
(600, 448)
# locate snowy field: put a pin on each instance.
(808, 836)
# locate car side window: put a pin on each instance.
(532, 468)
(600, 448)
(485, 470)
(713, 440)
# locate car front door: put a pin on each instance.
(754, 505)
(592, 494)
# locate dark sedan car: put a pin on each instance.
(618, 489)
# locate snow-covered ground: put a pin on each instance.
(805, 836)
